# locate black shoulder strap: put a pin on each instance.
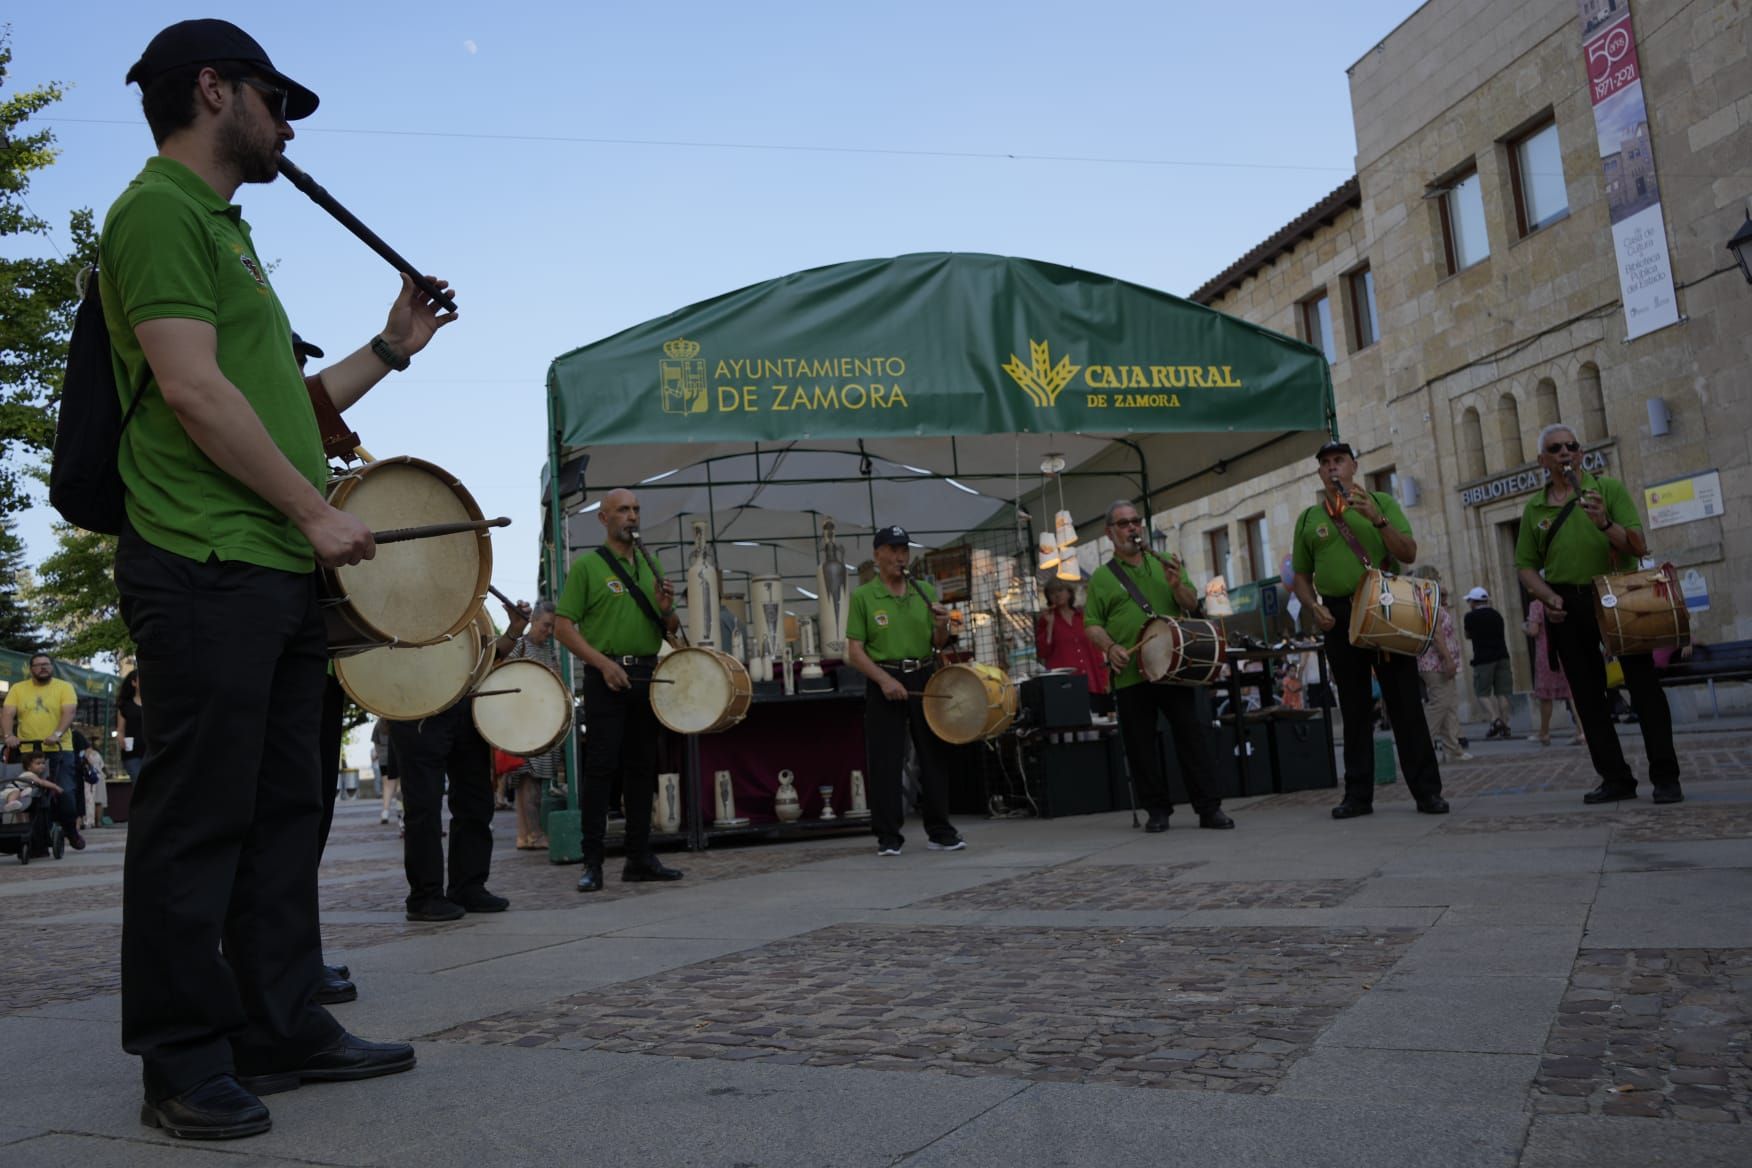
(94, 296)
(1551, 532)
(1130, 586)
(639, 597)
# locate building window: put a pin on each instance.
(1218, 539)
(1536, 172)
(1258, 566)
(1317, 324)
(1365, 323)
(1463, 234)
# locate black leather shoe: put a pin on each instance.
(334, 990)
(1610, 793)
(437, 909)
(1216, 820)
(1352, 810)
(591, 881)
(1158, 821)
(218, 1109)
(1667, 793)
(479, 900)
(650, 868)
(339, 971)
(1435, 805)
(346, 1058)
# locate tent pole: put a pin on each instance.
(565, 828)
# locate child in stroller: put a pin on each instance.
(27, 825)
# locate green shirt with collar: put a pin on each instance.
(1109, 606)
(1320, 549)
(173, 249)
(1580, 550)
(606, 614)
(892, 628)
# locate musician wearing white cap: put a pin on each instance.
(1335, 542)
(1582, 526)
(223, 473)
(894, 625)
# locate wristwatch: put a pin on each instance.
(1383, 523)
(388, 355)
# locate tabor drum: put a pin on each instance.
(700, 690)
(1181, 652)
(1642, 611)
(417, 592)
(405, 683)
(523, 707)
(1395, 614)
(969, 703)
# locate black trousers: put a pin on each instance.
(1402, 697)
(220, 948)
(1138, 707)
(1577, 640)
(334, 705)
(886, 726)
(428, 750)
(620, 742)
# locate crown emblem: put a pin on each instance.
(681, 348)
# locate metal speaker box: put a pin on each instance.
(1057, 699)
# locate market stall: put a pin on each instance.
(978, 401)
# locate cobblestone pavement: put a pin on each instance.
(1113, 888)
(1653, 1033)
(1668, 824)
(1169, 1008)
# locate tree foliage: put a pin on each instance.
(18, 629)
(37, 296)
(76, 597)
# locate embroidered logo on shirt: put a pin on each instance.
(1545, 524)
(1322, 531)
(255, 273)
(616, 587)
(881, 620)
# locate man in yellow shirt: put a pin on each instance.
(40, 711)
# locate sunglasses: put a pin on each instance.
(272, 94)
(1557, 447)
(1128, 523)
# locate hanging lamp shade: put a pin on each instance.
(1069, 568)
(1049, 553)
(1067, 529)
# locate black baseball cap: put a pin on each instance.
(206, 42)
(890, 537)
(303, 348)
(1334, 447)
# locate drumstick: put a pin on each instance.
(493, 693)
(508, 601)
(433, 530)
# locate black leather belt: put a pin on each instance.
(651, 660)
(907, 665)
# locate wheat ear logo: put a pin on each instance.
(1044, 381)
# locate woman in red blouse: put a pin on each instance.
(1061, 643)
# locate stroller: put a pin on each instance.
(27, 821)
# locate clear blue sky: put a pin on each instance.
(748, 140)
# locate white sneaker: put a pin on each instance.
(954, 845)
(891, 851)
(1466, 756)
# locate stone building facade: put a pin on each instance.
(1473, 296)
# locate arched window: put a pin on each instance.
(1508, 422)
(1545, 402)
(1593, 403)
(1471, 445)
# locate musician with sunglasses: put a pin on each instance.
(222, 469)
(1582, 526)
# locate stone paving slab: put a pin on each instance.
(1655, 1033)
(1225, 1010)
(1668, 823)
(59, 1149)
(1110, 888)
(1457, 950)
(1671, 856)
(1557, 1141)
(1459, 1079)
(1420, 1011)
(1707, 908)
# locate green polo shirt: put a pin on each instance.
(606, 614)
(1321, 550)
(1109, 606)
(173, 249)
(1580, 551)
(892, 628)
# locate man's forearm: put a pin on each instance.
(1535, 584)
(567, 634)
(1400, 546)
(860, 661)
(353, 376)
(219, 420)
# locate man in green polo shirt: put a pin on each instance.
(602, 622)
(1115, 622)
(1326, 563)
(893, 628)
(1579, 527)
(223, 471)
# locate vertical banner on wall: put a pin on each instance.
(1621, 123)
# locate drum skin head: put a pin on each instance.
(422, 590)
(698, 690)
(968, 703)
(405, 683)
(532, 721)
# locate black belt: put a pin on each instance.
(648, 660)
(907, 664)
